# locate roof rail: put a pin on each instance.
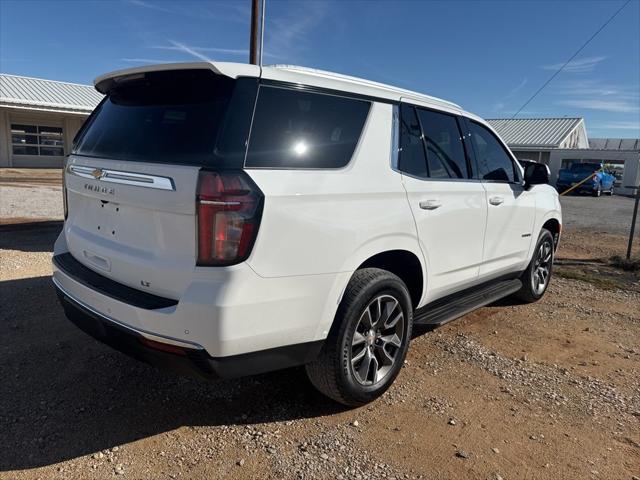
(362, 81)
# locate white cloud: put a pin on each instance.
(236, 12)
(582, 65)
(501, 104)
(616, 106)
(619, 126)
(288, 35)
(149, 60)
(181, 47)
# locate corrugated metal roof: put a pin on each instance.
(47, 94)
(534, 132)
(614, 143)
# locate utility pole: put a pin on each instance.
(253, 39)
(263, 13)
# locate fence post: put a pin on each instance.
(633, 221)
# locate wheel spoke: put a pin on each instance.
(394, 321)
(358, 338)
(366, 319)
(355, 359)
(387, 311)
(375, 366)
(392, 340)
(543, 275)
(363, 369)
(377, 314)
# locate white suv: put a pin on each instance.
(225, 219)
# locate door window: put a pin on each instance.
(445, 153)
(494, 162)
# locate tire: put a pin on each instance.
(532, 291)
(598, 191)
(610, 191)
(344, 370)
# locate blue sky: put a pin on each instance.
(488, 56)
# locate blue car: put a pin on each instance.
(600, 182)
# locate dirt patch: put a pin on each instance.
(31, 176)
(594, 245)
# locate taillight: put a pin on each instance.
(229, 206)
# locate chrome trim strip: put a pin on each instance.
(124, 178)
(149, 335)
(215, 202)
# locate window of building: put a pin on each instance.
(37, 140)
(297, 129)
(445, 152)
(494, 162)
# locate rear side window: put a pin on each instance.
(180, 117)
(297, 129)
(445, 153)
(494, 163)
(412, 158)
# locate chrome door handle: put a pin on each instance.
(496, 200)
(430, 204)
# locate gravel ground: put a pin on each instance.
(543, 391)
(30, 203)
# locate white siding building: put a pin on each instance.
(39, 118)
(559, 142)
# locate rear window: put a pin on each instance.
(297, 129)
(172, 117)
(585, 167)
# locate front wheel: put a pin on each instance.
(535, 279)
(598, 191)
(368, 341)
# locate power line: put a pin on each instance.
(572, 57)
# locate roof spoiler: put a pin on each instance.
(106, 82)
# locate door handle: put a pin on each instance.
(497, 200)
(430, 204)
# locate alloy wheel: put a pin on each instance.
(377, 340)
(541, 271)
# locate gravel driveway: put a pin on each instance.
(603, 214)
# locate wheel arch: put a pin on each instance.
(403, 263)
(554, 226)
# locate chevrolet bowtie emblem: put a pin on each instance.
(97, 173)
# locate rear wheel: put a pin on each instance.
(368, 341)
(610, 191)
(535, 279)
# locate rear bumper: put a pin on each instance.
(176, 356)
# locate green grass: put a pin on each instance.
(631, 265)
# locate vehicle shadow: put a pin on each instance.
(30, 236)
(65, 395)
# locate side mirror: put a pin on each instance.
(536, 174)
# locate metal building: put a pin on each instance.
(559, 142)
(39, 118)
